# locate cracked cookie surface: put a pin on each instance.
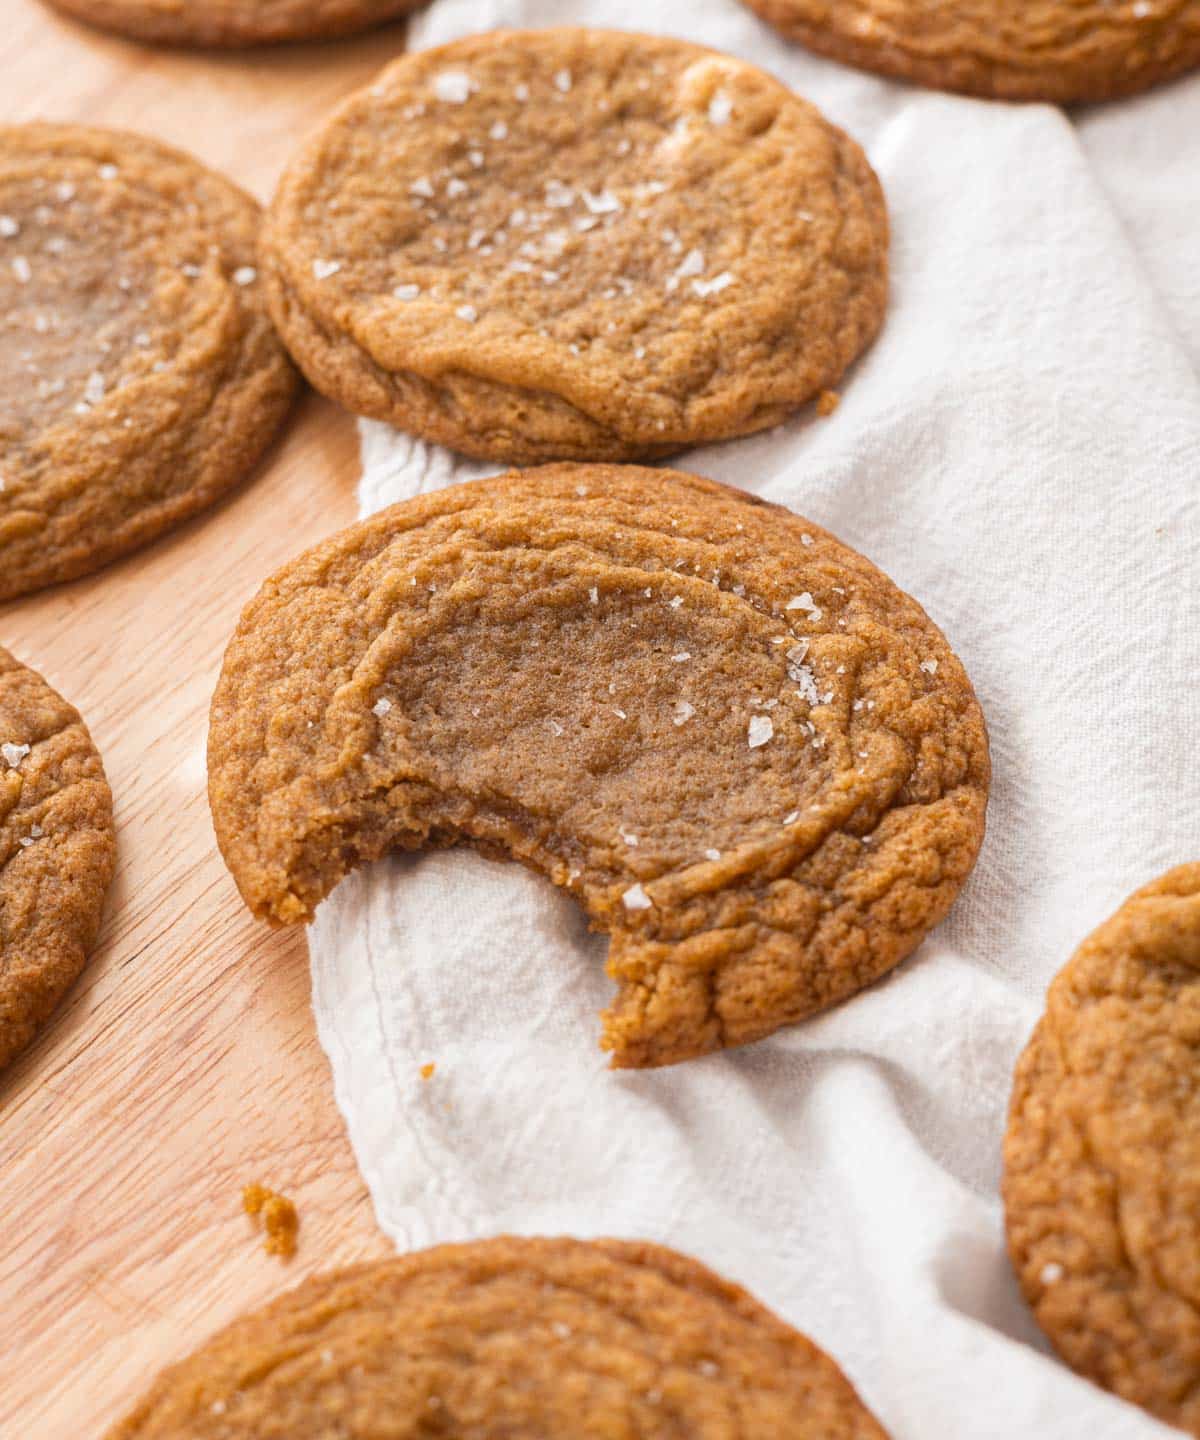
(57, 851)
(753, 760)
(1057, 50)
(576, 244)
(140, 376)
(1102, 1155)
(509, 1337)
(234, 22)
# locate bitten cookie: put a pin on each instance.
(57, 851)
(505, 1338)
(1059, 50)
(575, 244)
(1102, 1155)
(140, 376)
(234, 22)
(752, 759)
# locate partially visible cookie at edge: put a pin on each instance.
(232, 23)
(576, 244)
(752, 759)
(1102, 1155)
(509, 1337)
(57, 851)
(140, 375)
(1065, 51)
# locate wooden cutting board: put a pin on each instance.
(185, 1063)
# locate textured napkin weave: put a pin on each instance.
(1019, 451)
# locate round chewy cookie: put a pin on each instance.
(1102, 1156)
(140, 376)
(752, 759)
(234, 22)
(57, 851)
(575, 244)
(505, 1338)
(1057, 50)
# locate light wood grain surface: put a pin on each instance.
(184, 1063)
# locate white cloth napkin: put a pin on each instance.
(1020, 451)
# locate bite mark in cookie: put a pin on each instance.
(754, 761)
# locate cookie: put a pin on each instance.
(751, 758)
(576, 245)
(1064, 51)
(140, 376)
(509, 1337)
(1102, 1155)
(57, 851)
(234, 22)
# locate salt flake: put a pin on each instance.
(453, 86)
(635, 898)
(761, 730)
(806, 603)
(714, 286)
(13, 754)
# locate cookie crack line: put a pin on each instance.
(550, 287)
(765, 791)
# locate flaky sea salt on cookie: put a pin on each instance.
(752, 759)
(576, 244)
(140, 376)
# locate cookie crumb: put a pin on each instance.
(827, 402)
(280, 1220)
(427, 1070)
